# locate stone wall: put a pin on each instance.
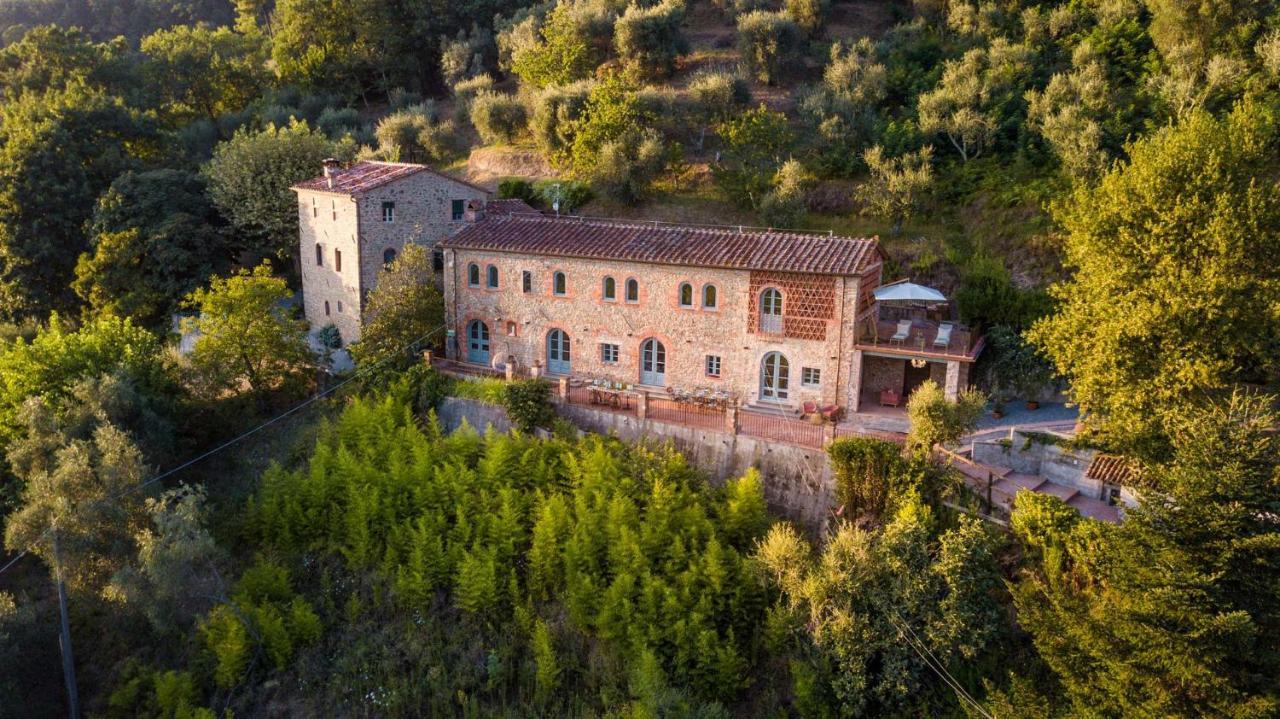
(1060, 465)
(354, 226)
(519, 322)
(881, 373)
(798, 483)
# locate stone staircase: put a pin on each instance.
(1005, 484)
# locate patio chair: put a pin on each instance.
(832, 413)
(944, 335)
(904, 331)
(809, 408)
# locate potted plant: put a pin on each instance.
(1020, 364)
(997, 407)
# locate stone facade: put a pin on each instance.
(352, 224)
(519, 322)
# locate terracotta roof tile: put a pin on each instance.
(692, 246)
(1110, 468)
(367, 175)
(507, 207)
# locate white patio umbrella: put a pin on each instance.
(908, 292)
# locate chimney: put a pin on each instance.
(331, 167)
(474, 211)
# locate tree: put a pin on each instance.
(567, 49)
(609, 145)
(768, 42)
(807, 14)
(202, 72)
(85, 496)
(714, 96)
(245, 335)
(499, 118)
(786, 203)
(972, 98)
(756, 142)
(249, 180)
(937, 420)
(402, 310)
(627, 165)
(1175, 290)
(154, 238)
(1172, 612)
(67, 145)
(1068, 113)
(50, 57)
(871, 475)
(415, 134)
(896, 184)
(649, 39)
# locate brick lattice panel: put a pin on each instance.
(808, 303)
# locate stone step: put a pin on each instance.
(1026, 481)
(1057, 490)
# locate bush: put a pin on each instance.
(988, 297)
(528, 404)
(498, 118)
(553, 112)
(937, 420)
(649, 39)
(871, 474)
(329, 337)
(1017, 364)
(487, 390)
(514, 188)
(628, 165)
(808, 14)
(784, 206)
(571, 194)
(769, 43)
(466, 91)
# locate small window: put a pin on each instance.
(437, 260)
(708, 297)
(388, 255)
(713, 365)
(319, 256)
(810, 376)
(337, 262)
(326, 308)
(686, 294)
(388, 212)
(473, 275)
(315, 209)
(608, 353)
(492, 277)
(526, 281)
(511, 329)
(610, 289)
(459, 209)
(339, 306)
(333, 207)
(559, 284)
(633, 290)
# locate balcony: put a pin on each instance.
(922, 339)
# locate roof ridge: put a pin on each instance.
(685, 227)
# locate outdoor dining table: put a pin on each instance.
(617, 398)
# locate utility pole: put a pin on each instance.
(68, 659)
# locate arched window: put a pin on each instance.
(708, 297)
(511, 329)
(771, 311)
(633, 290)
(492, 273)
(558, 352)
(653, 363)
(388, 256)
(686, 294)
(610, 289)
(473, 275)
(319, 256)
(775, 376)
(559, 285)
(478, 342)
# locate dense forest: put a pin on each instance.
(1095, 181)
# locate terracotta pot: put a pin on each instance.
(997, 413)
(1032, 404)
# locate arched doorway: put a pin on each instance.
(478, 342)
(775, 377)
(558, 352)
(653, 363)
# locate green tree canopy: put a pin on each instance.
(401, 311)
(246, 336)
(1176, 291)
(154, 238)
(249, 180)
(203, 72)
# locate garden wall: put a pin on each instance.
(798, 483)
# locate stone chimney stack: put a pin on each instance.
(331, 167)
(474, 211)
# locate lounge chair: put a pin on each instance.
(904, 331)
(944, 335)
(808, 408)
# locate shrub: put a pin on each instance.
(938, 420)
(768, 42)
(571, 194)
(649, 39)
(1018, 364)
(807, 14)
(329, 337)
(627, 166)
(336, 122)
(466, 91)
(784, 206)
(553, 113)
(415, 134)
(871, 474)
(498, 118)
(528, 404)
(514, 188)
(487, 390)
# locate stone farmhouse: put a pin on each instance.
(777, 319)
(355, 220)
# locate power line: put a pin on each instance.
(296, 408)
(917, 644)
